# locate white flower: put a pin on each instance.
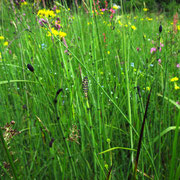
(115, 6)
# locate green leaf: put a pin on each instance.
(114, 148)
(178, 172)
(13, 81)
(165, 132)
(170, 100)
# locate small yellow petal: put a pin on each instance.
(174, 79)
(6, 43)
(133, 27)
(1, 37)
(145, 9)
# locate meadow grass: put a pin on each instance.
(73, 100)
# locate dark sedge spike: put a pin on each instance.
(85, 86)
(57, 93)
(139, 92)
(160, 29)
(141, 135)
(109, 173)
(51, 142)
(30, 67)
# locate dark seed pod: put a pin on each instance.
(113, 27)
(30, 67)
(51, 142)
(58, 91)
(85, 86)
(160, 29)
(139, 91)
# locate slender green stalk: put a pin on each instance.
(65, 141)
(174, 151)
(8, 155)
(93, 139)
(128, 97)
(141, 136)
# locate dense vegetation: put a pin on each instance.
(89, 92)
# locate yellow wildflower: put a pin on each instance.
(46, 13)
(145, 9)
(1, 37)
(53, 32)
(62, 34)
(176, 87)
(6, 43)
(178, 27)
(50, 13)
(116, 7)
(149, 19)
(120, 23)
(24, 3)
(57, 11)
(174, 79)
(108, 52)
(133, 27)
(56, 33)
(0, 56)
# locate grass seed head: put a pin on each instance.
(85, 86)
(30, 67)
(160, 28)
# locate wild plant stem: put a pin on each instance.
(93, 139)
(66, 143)
(8, 155)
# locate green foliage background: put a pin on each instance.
(129, 5)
